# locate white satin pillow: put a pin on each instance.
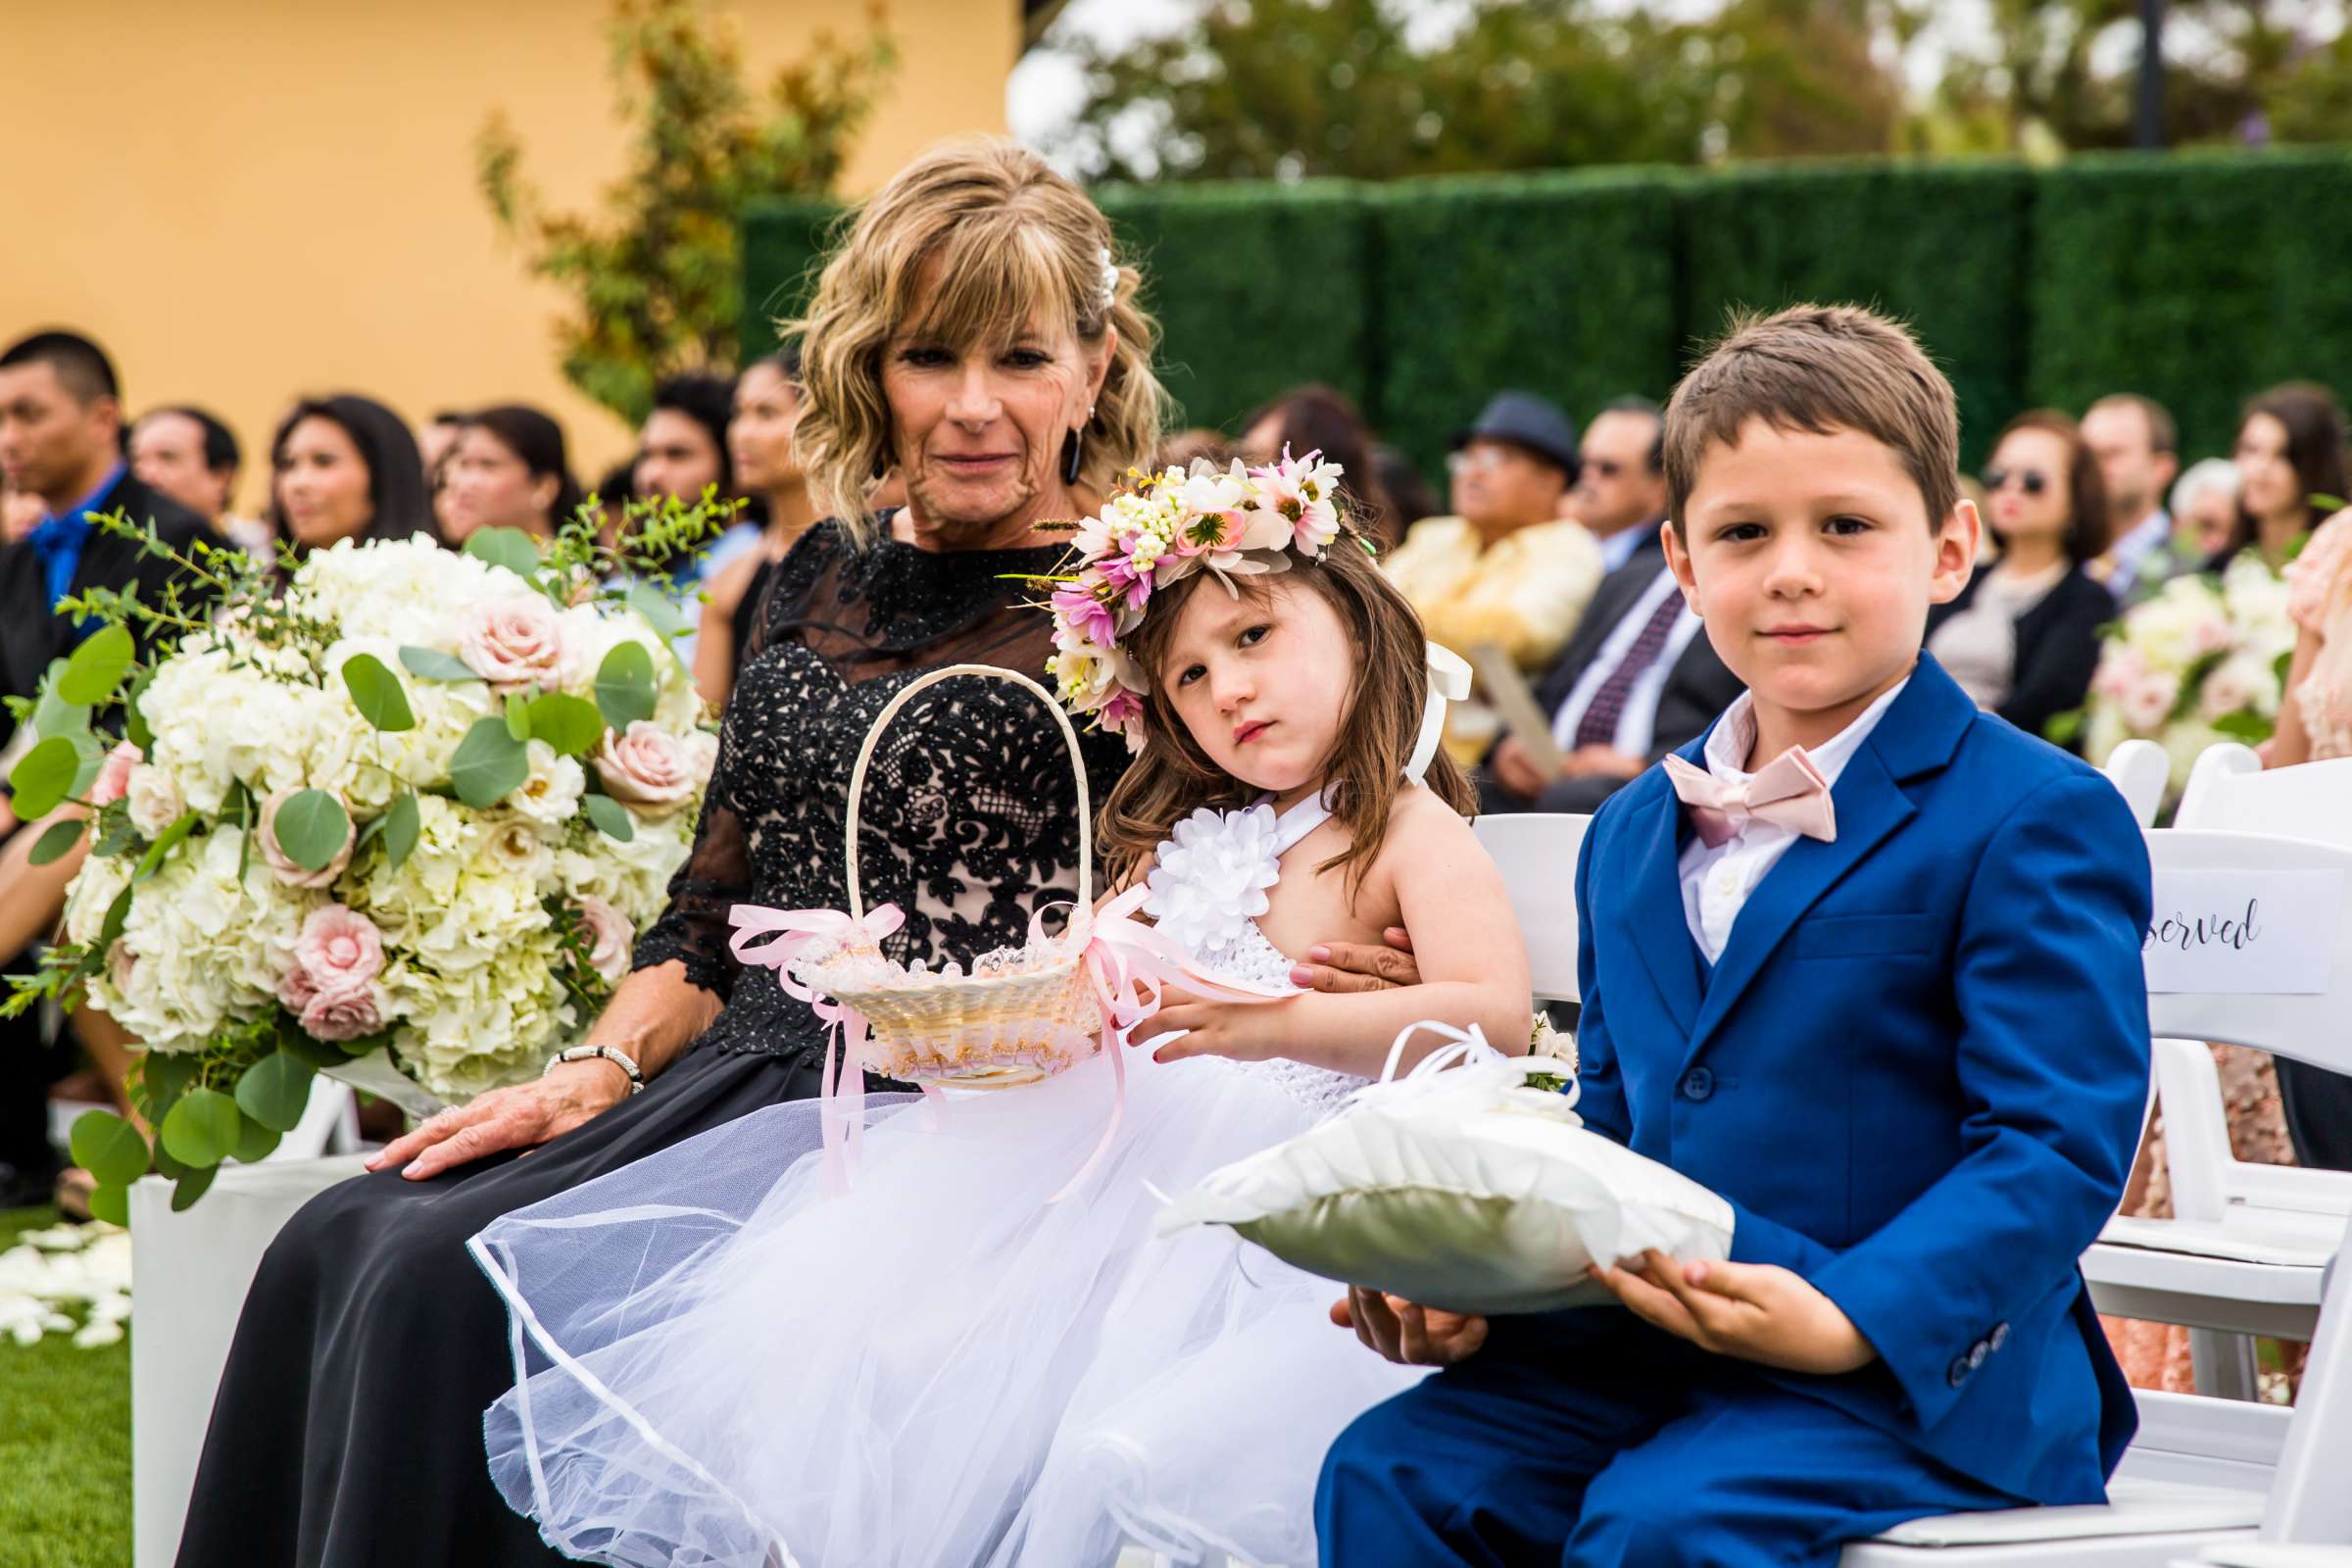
(1467, 1188)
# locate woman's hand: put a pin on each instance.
(521, 1116)
(1341, 967)
(1406, 1333)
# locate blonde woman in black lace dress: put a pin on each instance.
(971, 334)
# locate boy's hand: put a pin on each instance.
(1241, 1030)
(1757, 1311)
(1406, 1334)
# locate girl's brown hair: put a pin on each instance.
(1174, 777)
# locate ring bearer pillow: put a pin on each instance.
(1469, 1185)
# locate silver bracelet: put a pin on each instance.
(619, 1059)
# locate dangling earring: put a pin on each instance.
(882, 464)
(1070, 455)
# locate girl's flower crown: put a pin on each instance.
(1233, 522)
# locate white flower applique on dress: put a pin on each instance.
(1208, 888)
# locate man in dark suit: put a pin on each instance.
(1637, 680)
(61, 441)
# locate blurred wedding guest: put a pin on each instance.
(437, 438)
(2023, 636)
(346, 468)
(1200, 443)
(614, 492)
(682, 452)
(768, 406)
(2315, 725)
(1505, 570)
(20, 512)
(189, 455)
(508, 471)
(2138, 452)
(2290, 470)
(1638, 679)
(2204, 508)
(61, 428)
(1410, 499)
(1620, 492)
(1319, 418)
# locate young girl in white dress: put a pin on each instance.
(719, 1363)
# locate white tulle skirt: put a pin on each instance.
(717, 1364)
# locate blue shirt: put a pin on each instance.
(59, 539)
(1618, 547)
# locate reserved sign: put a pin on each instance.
(2242, 933)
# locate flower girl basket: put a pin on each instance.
(1019, 1015)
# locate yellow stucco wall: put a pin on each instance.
(245, 200)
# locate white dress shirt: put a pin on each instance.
(1637, 720)
(1717, 881)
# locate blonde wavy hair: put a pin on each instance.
(1014, 240)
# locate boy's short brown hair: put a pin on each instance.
(1822, 369)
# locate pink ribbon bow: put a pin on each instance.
(1788, 791)
(777, 939)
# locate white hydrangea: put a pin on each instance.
(203, 948)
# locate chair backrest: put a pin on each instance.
(1536, 852)
(2139, 770)
(2309, 1500)
(2230, 790)
(2210, 888)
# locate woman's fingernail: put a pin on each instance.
(1318, 955)
(1300, 975)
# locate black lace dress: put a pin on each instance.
(348, 1429)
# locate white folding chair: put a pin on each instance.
(2139, 770)
(2242, 1253)
(1536, 852)
(2206, 1471)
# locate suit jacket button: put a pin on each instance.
(1977, 1354)
(1697, 1084)
(1959, 1372)
(2000, 1336)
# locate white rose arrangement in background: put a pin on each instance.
(414, 802)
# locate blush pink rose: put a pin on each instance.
(650, 770)
(338, 950)
(513, 643)
(289, 870)
(342, 1015)
(609, 937)
(113, 774)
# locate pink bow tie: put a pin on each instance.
(1788, 791)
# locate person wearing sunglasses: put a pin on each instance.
(2023, 637)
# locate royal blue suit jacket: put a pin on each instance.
(1917, 1072)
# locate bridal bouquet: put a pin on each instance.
(406, 812)
(2203, 662)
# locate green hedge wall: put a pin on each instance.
(2197, 278)
(784, 245)
(1943, 246)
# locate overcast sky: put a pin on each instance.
(1046, 91)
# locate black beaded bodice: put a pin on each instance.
(970, 821)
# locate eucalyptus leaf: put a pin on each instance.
(202, 1128)
(510, 548)
(165, 843)
(518, 716)
(401, 827)
(376, 693)
(573, 725)
(429, 664)
(44, 777)
(275, 1091)
(110, 1204)
(97, 667)
(89, 757)
(57, 839)
(108, 1148)
(311, 827)
(487, 763)
(135, 722)
(165, 1078)
(257, 1142)
(624, 685)
(52, 715)
(658, 608)
(194, 1184)
(117, 916)
(609, 816)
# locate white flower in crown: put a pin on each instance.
(1232, 521)
(1209, 879)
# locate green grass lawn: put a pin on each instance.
(64, 1444)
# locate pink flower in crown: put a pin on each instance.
(1122, 713)
(1085, 617)
(1305, 492)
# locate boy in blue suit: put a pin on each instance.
(1865, 961)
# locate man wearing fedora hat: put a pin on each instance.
(1505, 570)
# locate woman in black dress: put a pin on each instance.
(974, 334)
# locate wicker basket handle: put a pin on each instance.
(865, 755)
